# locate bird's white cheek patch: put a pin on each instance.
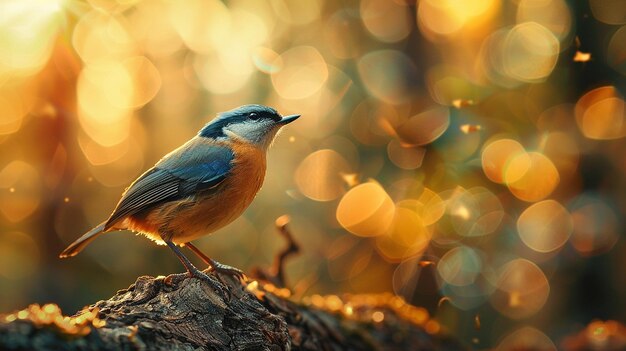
(259, 133)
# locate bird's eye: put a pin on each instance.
(253, 116)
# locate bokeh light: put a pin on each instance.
(388, 21)
(531, 176)
(601, 114)
(267, 60)
(521, 290)
(319, 175)
(553, 15)
(372, 124)
(563, 151)
(425, 127)
(530, 52)
(429, 206)
(407, 237)
(388, 75)
(608, 11)
(460, 266)
(366, 210)
(303, 73)
(473, 212)
(545, 226)
(447, 18)
(28, 30)
(99, 36)
(595, 225)
(526, 338)
(497, 156)
(405, 157)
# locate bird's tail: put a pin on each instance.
(80, 243)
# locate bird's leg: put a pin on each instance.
(216, 266)
(219, 268)
(191, 269)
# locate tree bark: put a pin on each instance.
(182, 313)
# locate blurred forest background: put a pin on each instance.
(466, 155)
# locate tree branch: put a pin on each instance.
(182, 313)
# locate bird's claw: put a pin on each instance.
(220, 268)
(215, 285)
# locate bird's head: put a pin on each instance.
(256, 124)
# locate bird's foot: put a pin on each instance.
(196, 273)
(223, 269)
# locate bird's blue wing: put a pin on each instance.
(179, 175)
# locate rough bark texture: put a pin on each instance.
(181, 313)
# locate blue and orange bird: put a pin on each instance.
(198, 188)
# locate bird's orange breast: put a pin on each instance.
(188, 219)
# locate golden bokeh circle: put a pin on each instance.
(319, 175)
(531, 177)
(545, 226)
(366, 210)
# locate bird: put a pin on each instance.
(198, 188)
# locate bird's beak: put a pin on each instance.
(288, 119)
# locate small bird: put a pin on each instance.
(198, 188)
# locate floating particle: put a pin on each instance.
(425, 263)
(470, 128)
(582, 56)
(460, 103)
(351, 179)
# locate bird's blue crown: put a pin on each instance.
(215, 128)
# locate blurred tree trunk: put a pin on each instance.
(181, 313)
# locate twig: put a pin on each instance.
(276, 274)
